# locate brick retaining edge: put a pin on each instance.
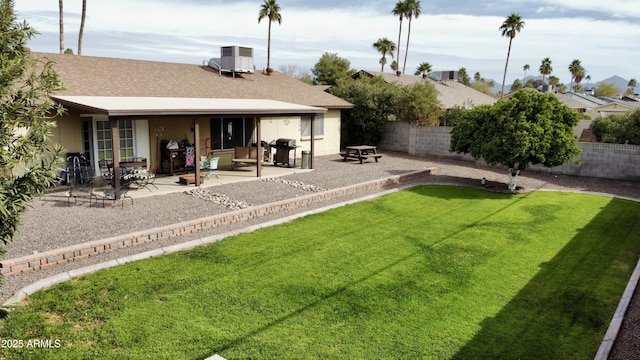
(52, 258)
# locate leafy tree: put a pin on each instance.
(631, 87)
(294, 71)
(606, 89)
(424, 68)
(418, 103)
(510, 27)
(452, 116)
(482, 85)
(618, 128)
(527, 129)
(271, 10)
(375, 101)
(545, 68)
(413, 10)
(400, 10)
(384, 46)
(517, 85)
(330, 68)
(27, 166)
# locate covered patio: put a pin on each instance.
(190, 112)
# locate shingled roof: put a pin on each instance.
(450, 93)
(101, 76)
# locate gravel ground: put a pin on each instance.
(50, 223)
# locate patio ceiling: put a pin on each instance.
(167, 106)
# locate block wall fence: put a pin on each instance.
(609, 161)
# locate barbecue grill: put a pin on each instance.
(283, 151)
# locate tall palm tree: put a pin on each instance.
(577, 72)
(400, 10)
(526, 68)
(384, 46)
(413, 10)
(424, 68)
(271, 10)
(60, 9)
(81, 33)
(632, 83)
(510, 27)
(545, 68)
(588, 78)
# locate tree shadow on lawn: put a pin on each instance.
(566, 308)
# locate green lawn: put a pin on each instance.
(434, 272)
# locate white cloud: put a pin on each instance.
(190, 32)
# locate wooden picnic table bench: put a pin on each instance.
(360, 152)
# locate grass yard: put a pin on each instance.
(434, 272)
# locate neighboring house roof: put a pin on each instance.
(451, 93)
(101, 76)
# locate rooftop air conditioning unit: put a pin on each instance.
(236, 59)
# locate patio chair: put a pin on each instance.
(211, 165)
(106, 171)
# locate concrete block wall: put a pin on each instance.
(609, 161)
(52, 258)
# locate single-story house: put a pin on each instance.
(122, 108)
(451, 93)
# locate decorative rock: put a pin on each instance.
(296, 184)
(219, 199)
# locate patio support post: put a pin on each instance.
(196, 145)
(115, 148)
(313, 139)
(259, 148)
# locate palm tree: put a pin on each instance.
(632, 83)
(526, 68)
(577, 72)
(545, 68)
(463, 77)
(424, 68)
(553, 81)
(510, 27)
(562, 88)
(271, 10)
(413, 10)
(60, 9)
(384, 46)
(399, 10)
(81, 33)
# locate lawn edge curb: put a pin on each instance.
(75, 273)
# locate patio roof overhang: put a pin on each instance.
(135, 107)
(172, 106)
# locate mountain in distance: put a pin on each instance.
(619, 82)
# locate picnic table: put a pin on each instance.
(360, 152)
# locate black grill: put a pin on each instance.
(283, 150)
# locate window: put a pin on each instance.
(227, 133)
(103, 139)
(305, 126)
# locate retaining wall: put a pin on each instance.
(600, 160)
(52, 258)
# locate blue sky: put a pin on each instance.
(447, 34)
